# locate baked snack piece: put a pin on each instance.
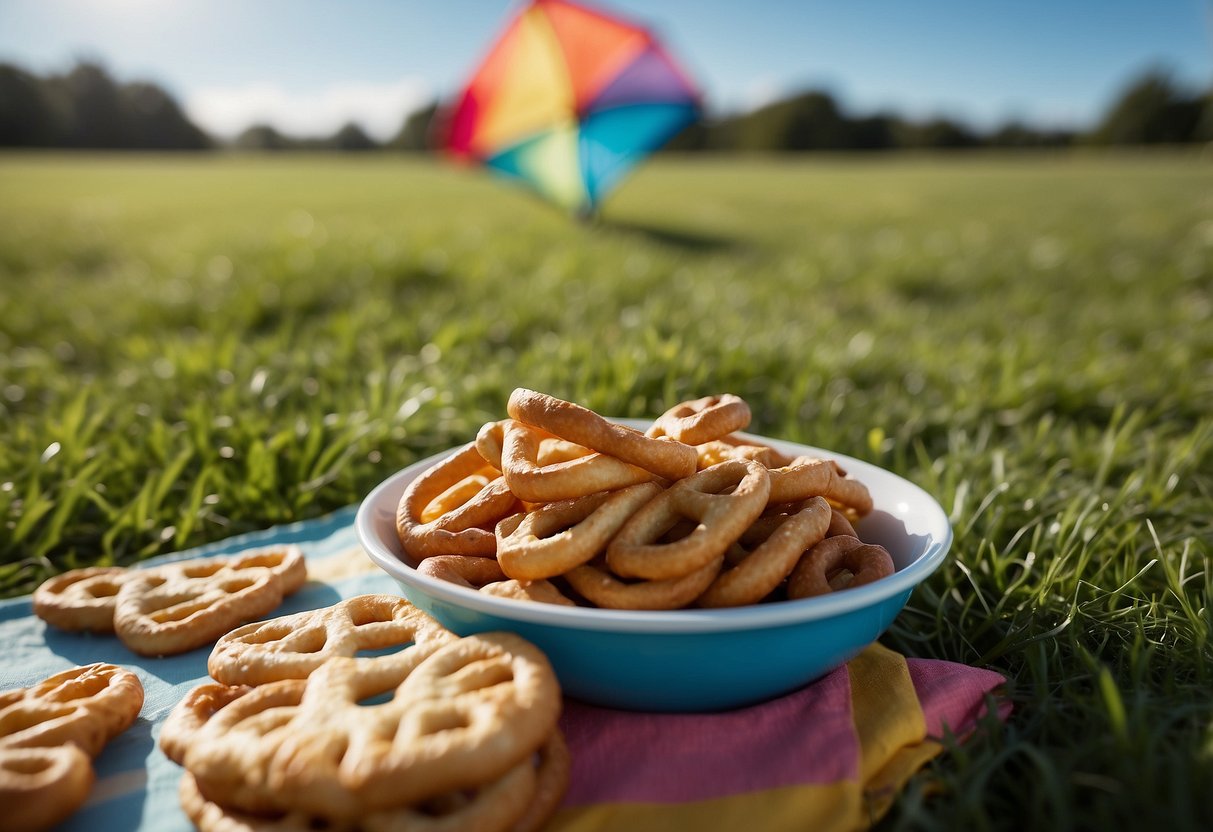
(665, 458)
(175, 607)
(461, 530)
(444, 733)
(81, 599)
(557, 537)
(292, 646)
(703, 420)
(40, 787)
(687, 513)
(186, 605)
(49, 734)
(520, 801)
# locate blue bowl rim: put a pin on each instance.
(759, 616)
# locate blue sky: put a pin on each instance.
(308, 65)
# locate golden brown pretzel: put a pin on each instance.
(490, 807)
(840, 525)
(39, 787)
(757, 575)
(178, 607)
(458, 532)
(293, 646)
(49, 732)
(552, 449)
(489, 440)
(823, 568)
(722, 517)
(458, 494)
(559, 536)
(462, 570)
(598, 586)
(566, 480)
(460, 714)
(192, 712)
(702, 420)
(663, 457)
(810, 477)
(551, 782)
(81, 599)
(84, 706)
(541, 592)
(493, 807)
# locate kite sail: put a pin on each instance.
(568, 100)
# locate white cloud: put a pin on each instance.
(379, 108)
(747, 97)
(763, 91)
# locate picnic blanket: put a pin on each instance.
(830, 756)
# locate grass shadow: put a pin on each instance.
(685, 239)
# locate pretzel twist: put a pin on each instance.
(560, 536)
(81, 599)
(49, 732)
(722, 517)
(566, 480)
(40, 787)
(463, 570)
(84, 706)
(810, 477)
(460, 531)
(519, 801)
(603, 589)
(702, 420)
(757, 575)
(824, 568)
(663, 457)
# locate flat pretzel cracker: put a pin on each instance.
(49, 732)
(181, 606)
(39, 787)
(493, 807)
(460, 714)
(81, 599)
(293, 646)
(84, 706)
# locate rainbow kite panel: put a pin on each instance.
(568, 100)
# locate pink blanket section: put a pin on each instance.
(804, 738)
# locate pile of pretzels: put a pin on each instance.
(559, 505)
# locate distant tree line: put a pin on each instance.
(413, 136)
(1151, 110)
(86, 108)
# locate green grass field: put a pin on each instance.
(196, 347)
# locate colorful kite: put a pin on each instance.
(568, 100)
